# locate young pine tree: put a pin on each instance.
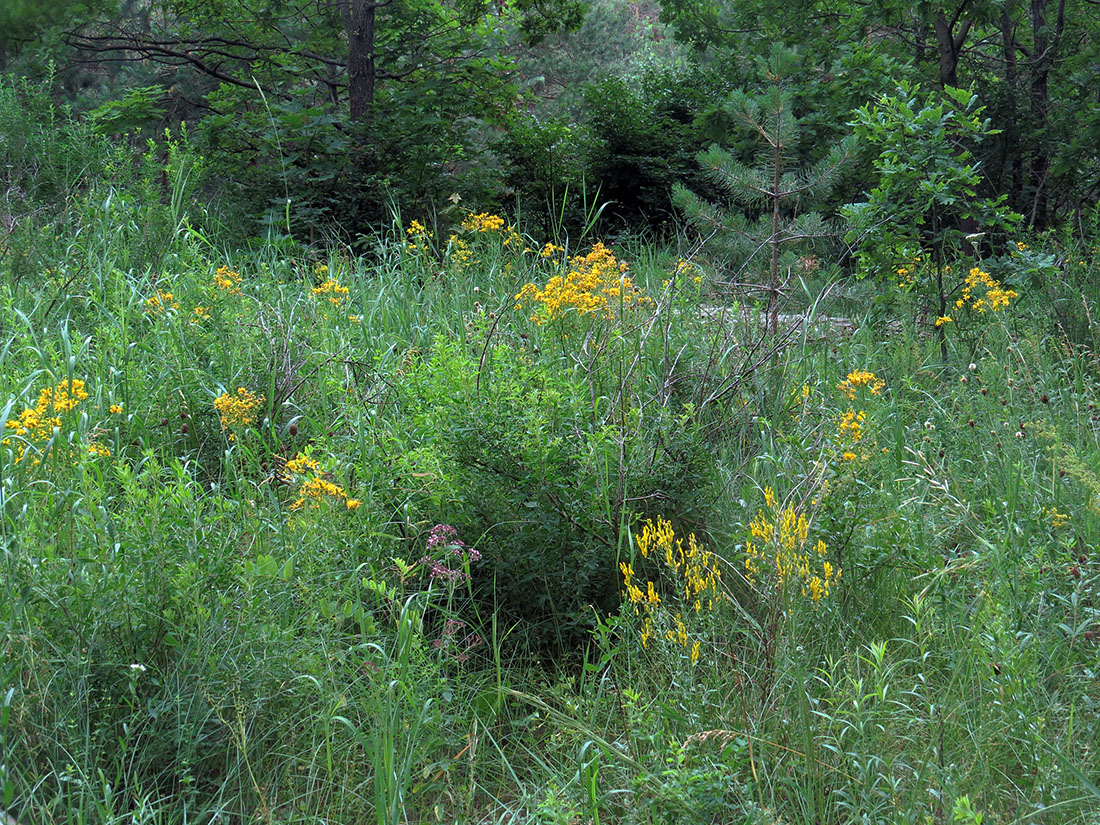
(765, 230)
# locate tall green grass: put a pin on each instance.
(182, 643)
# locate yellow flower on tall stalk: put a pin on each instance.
(227, 280)
(1057, 520)
(315, 485)
(778, 552)
(459, 252)
(996, 296)
(858, 379)
(332, 290)
(849, 427)
(483, 222)
(419, 238)
(691, 577)
(161, 302)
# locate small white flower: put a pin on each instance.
(973, 367)
(138, 667)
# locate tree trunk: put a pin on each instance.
(359, 24)
(950, 45)
(1043, 55)
(1011, 140)
(773, 287)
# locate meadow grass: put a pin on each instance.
(222, 601)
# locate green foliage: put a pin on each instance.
(547, 161)
(643, 140)
(927, 177)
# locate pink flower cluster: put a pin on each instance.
(443, 538)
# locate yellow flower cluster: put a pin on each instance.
(861, 378)
(907, 272)
(550, 250)
(316, 485)
(331, 289)
(200, 314)
(98, 450)
(483, 222)
(778, 548)
(849, 434)
(685, 268)
(419, 238)
(849, 427)
(459, 252)
(237, 410)
(161, 302)
(694, 570)
(36, 425)
(996, 296)
(227, 280)
(593, 283)
(1057, 520)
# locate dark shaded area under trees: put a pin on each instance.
(350, 109)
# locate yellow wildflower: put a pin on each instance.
(331, 289)
(483, 222)
(36, 425)
(595, 283)
(861, 378)
(161, 302)
(227, 280)
(237, 410)
(777, 550)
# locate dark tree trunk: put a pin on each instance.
(950, 45)
(359, 24)
(1011, 140)
(1044, 52)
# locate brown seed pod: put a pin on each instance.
(293, 429)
